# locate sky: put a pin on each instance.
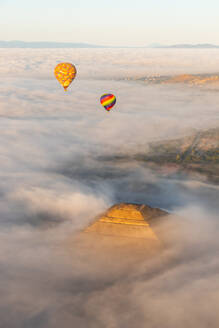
(115, 22)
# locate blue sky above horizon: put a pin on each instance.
(114, 22)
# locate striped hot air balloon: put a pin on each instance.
(65, 74)
(108, 101)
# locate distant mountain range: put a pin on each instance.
(50, 44)
(45, 44)
(185, 46)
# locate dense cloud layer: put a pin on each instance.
(55, 180)
(109, 63)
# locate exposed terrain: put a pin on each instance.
(190, 79)
(198, 153)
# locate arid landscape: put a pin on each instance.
(197, 155)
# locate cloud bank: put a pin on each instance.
(54, 181)
(108, 63)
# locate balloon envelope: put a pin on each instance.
(65, 74)
(108, 101)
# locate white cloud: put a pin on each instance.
(108, 63)
(53, 182)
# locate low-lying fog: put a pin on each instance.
(54, 181)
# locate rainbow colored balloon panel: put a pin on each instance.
(108, 101)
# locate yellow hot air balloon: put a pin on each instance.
(65, 74)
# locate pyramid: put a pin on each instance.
(127, 220)
(122, 237)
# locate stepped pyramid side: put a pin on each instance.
(127, 220)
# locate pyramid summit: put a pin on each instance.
(127, 220)
(121, 236)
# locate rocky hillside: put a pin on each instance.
(190, 79)
(195, 154)
(199, 152)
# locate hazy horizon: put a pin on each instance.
(133, 24)
(53, 44)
